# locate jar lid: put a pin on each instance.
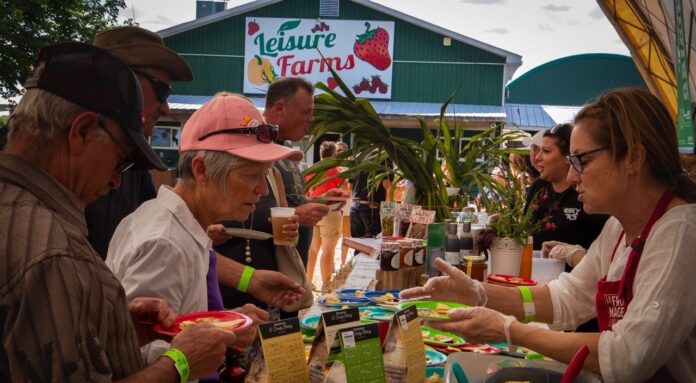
(474, 258)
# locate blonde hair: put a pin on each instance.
(218, 165)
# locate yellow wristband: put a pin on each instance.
(528, 304)
(245, 278)
(180, 362)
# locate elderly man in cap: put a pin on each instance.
(64, 314)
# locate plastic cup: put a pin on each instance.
(281, 216)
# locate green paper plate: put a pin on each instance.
(456, 340)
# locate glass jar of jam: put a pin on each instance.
(475, 267)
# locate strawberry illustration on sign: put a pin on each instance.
(373, 47)
(331, 82)
(252, 27)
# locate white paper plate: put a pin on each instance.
(248, 234)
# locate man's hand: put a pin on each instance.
(311, 212)
(475, 324)
(340, 193)
(453, 286)
(217, 233)
(146, 312)
(204, 347)
(245, 337)
(274, 288)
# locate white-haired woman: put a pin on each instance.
(162, 249)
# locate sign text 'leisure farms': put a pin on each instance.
(360, 51)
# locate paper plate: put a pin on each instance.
(325, 199)
(248, 234)
(350, 293)
(510, 280)
(376, 313)
(377, 294)
(220, 316)
(308, 335)
(310, 322)
(421, 306)
(430, 371)
(483, 348)
(439, 338)
(433, 358)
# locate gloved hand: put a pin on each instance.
(571, 254)
(475, 324)
(453, 286)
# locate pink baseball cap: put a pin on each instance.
(231, 123)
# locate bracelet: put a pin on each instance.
(245, 279)
(527, 304)
(180, 362)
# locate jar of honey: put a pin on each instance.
(475, 267)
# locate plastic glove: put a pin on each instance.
(453, 286)
(475, 324)
(571, 254)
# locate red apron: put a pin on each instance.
(613, 297)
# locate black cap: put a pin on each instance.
(97, 80)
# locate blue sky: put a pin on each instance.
(538, 30)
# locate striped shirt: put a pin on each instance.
(63, 315)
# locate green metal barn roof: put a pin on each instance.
(574, 80)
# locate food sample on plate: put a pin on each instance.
(359, 294)
(440, 311)
(332, 298)
(386, 298)
(434, 378)
(226, 325)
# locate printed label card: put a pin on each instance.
(419, 223)
(361, 354)
(404, 353)
(326, 347)
(283, 356)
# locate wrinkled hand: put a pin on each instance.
(453, 286)
(311, 212)
(475, 324)
(246, 336)
(571, 254)
(274, 288)
(145, 312)
(341, 193)
(204, 346)
(217, 233)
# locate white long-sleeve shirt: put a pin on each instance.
(659, 327)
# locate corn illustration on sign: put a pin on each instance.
(361, 51)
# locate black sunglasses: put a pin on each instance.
(161, 88)
(575, 160)
(126, 162)
(265, 133)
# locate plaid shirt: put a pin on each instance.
(63, 315)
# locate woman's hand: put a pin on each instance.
(454, 286)
(217, 233)
(475, 324)
(245, 337)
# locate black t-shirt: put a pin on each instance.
(569, 223)
(361, 191)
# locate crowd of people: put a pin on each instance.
(93, 255)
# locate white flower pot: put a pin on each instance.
(506, 255)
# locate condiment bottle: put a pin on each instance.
(526, 261)
(466, 241)
(452, 245)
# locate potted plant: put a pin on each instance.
(374, 149)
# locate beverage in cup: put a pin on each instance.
(281, 216)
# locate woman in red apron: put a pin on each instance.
(637, 277)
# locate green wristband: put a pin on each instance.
(528, 304)
(245, 279)
(180, 362)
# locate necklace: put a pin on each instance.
(247, 248)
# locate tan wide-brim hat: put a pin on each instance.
(139, 47)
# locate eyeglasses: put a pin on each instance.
(126, 162)
(575, 160)
(265, 133)
(161, 88)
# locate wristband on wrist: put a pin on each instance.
(245, 278)
(527, 304)
(180, 362)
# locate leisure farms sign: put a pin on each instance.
(360, 51)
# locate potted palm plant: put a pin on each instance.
(375, 149)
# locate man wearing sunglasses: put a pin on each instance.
(155, 67)
(65, 315)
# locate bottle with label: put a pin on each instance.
(452, 245)
(526, 261)
(466, 241)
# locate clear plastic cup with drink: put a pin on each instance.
(281, 216)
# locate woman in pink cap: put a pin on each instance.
(162, 249)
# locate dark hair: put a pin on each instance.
(626, 118)
(561, 133)
(327, 149)
(284, 88)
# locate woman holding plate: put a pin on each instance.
(162, 249)
(636, 278)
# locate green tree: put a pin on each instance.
(31, 24)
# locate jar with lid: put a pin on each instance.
(475, 267)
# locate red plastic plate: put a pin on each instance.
(510, 280)
(223, 316)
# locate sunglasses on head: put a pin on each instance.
(161, 88)
(265, 133)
